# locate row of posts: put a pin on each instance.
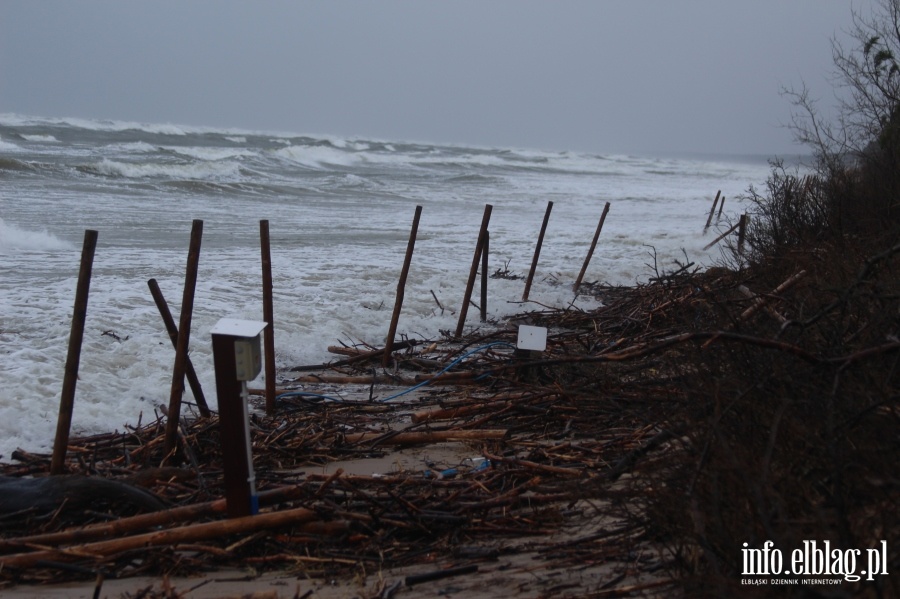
(180, 337)
(180, 333)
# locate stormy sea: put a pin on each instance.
(339, 212)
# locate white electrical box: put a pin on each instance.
(247, 359)
(532, 338)
(247, 345)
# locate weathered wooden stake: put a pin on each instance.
(172, 329)
(470, 285)
(401, 287)
(537, 252)
(184, 335)
(590, 253)
(721, 205)
(742, 233)
(73, 358)
(268, 316)
(485, 250)
(722, 236)
(712, 210)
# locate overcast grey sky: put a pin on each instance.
(587, 75)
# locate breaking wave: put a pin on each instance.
(14, 238)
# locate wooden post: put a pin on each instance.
(184, 335)
(234, 431)
(722, 236)
(485, 250)
(590, 253)
(401, 287)
(742, 233)
(712, 210)
(721, 205)
(73, 358)
(172, 329)
(537, 252)
(268, 316)
(470, 285)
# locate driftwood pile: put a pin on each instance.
(590, 431)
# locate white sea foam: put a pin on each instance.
(319, 156)
(40, 138)
(191, 171)
(6, 146)
(339, 213)
(343, 144)
(211, 154)
(139, 147)
(166, 129)
(13, 238)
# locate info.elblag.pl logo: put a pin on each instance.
(814, 559)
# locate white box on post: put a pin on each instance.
(237, 359)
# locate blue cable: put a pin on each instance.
(448, 367)
(411, 389)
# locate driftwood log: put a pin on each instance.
(172, 536)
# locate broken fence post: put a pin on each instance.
(172, 329)
(401, 287)
(73, 358)
(184, 335)
(537, 252)
(486, 218)
(590, 253)
(712, 210)
(723, 235)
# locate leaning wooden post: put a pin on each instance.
(590, 253)
(712, 210)
(470, 285)
(401, 287)
(268, 316)
(721, 205)
(184, 335)
(537, 252)
(172, 329)
(79, 315)
(485, 250)
(723, 235)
